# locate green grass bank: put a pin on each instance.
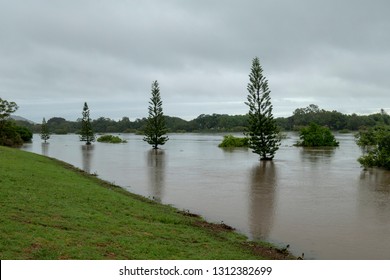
(51, 210)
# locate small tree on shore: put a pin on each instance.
(155, 129)
(6, 109)
(9, 132)
(45, 135)
(262, 130)
(86, 133)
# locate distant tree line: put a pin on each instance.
(203, 123)
(215, 123)
(334, 120)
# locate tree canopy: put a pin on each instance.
(334, 120)
(315, 135)
(6, 109)
(11, 134)
(45, 135)
(375, 144)
(155, 129)
(86, 133)
(262, 130)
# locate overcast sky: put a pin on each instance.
(56, 55)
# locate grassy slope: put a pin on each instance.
(50, 210)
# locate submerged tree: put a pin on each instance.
(315, 135)
(155, 127)
(86, 133)
(375, 144)
(45, 135)
(262, 131)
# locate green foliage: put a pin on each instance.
(229, 141)
(11, 134)
(111, 139)
(219, 123)
(45, 135)
(155, 129)
(6, 109)
(58, 125)
(262, 129)
(86, 133)
(105, 125)
(375, 144)
(315, 135)
(222, 122)
(367, 138)
(203, 123)
(332, 119)
(24, 133)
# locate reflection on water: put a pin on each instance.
(87, 153)
(45, 149)
(315, 155)
(317, 200)
(374, 190)
(376, 179)
(374, 206)
(262, 199)
(156, 164)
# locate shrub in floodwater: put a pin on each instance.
(375, 144)
(229, 141)
(111, 139)
(315, 135)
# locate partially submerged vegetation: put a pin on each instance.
(111, 139)
(262, 129)
(230, 141)
(155, 130)
(86, 133)
(315, 135)
(51, 210)
(375, 144)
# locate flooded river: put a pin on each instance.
(320, 201)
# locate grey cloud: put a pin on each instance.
(57, 54)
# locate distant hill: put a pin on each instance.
(19, 118)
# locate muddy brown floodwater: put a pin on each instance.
(320, 201)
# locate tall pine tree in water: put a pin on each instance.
(262, 131)
(86, 133)
(45, 134)
(155, 127)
